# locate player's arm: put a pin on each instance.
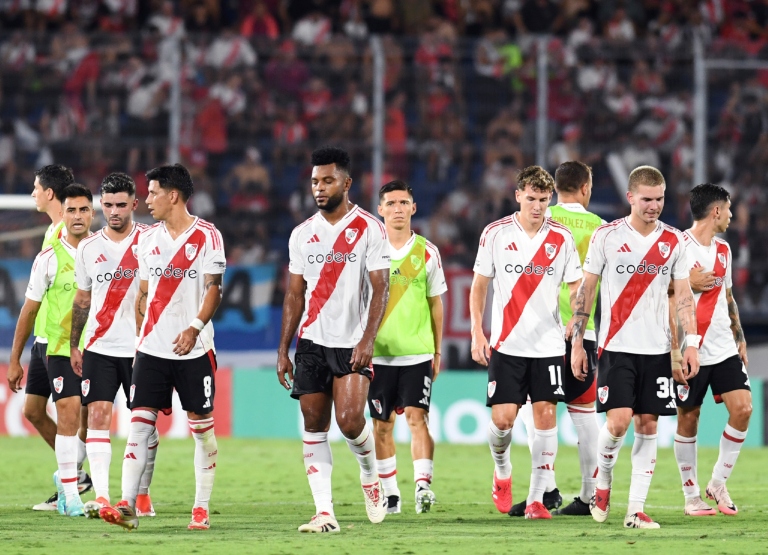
(80, 309)
(686, 314)
(293, 308)
(362, 354)
(677, 357)
(436, 314)
(212, 294)
(573, 290)
(581, 306)
(141, 304)
(24, 327)
(738, 332)
(481, 351)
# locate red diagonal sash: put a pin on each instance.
(708, 299)
(118, 289)
(331, 271)
(636, 286)
(526, 284)
(167, 286)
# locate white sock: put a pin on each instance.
(730, 445)
(135, 459)
(99, 450)
(422, 472)
(608, 447)
(364, 448)
(526, 415)
(82, 452)
(585, 422)
(318, 462)
(206, 453)
(542, 463)
(149, 469)
(499, 441)
(685, 455)
(66, 457)
(387, 469)
(643, 465)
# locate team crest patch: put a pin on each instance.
(133, 392)
(721, 258)
(190, 251)
(602, 394)
(58, 384)
(664, 249)
(377, 405)
(550, 250)
(135, 251)
(415, 262)
(350, 235)
(491, 388)
(85, 387)
(682, 392)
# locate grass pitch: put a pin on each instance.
(261, 496)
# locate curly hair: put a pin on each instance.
(537, 177)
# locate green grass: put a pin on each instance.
(261, 496)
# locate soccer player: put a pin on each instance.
(528, 256)
(106, 272)
(49, 182)
(406, 354)
(53, 277)
(181, 267)
(637, 257)
(723, 355)
(337, 294)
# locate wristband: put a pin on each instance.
(198, 324)
(581, 314)
(692, 340)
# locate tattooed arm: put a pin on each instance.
(80, 309)
(141, 305)
(674, 335)
(186, 340)
(581, 305)
(686, 314)
(738, 333)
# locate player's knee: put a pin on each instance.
(34, 414)
(417, 419)
(503, 421)
(99, 418)
(382, 428)
(741, 413)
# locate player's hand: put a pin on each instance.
(285, 366)
(677, 367)
(362, 354)
(690, 362)
(701, 280)
(185, 341)
(481, 351)
(569, 328)
(579, 362)
(76, 359)
(435, 367)
(742, 346)
(15, 375)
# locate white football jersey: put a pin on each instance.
(527, 274)
(44, 270)
(334, 261)
(714, 323)
(636, 272)
(110, 271)
(175, 271)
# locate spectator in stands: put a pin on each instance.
(230, 51)
(16, 54)
(260, 23)
(7, 156)
(290, 138)
(230, 94)
(313, 29)
(250, 170)
(285, 73)
(200, 19)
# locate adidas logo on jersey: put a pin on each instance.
(511, 247)
(624, 248)
(314, 239)
(155, 252)
(101, 258)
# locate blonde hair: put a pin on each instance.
(537, 177)
(645, 175)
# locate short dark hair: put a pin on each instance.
(75, 190)
(56, 177)
(704, 196)
(645, 175)
(537, 177)
(118, 182)
(571, 175)
(326, 155)
(173, 176)
(396, 185)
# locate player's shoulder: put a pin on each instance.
(722, 243)
(608, 228)
(90, 240)
(304, 226)
(374, 224)
(431, 251)
(495, 227)
(46, 254)
(150, 231)
(141, 228)
(211, 232)
(557, 227)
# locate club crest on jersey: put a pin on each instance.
(377, 405)
(602, 394)
(491, 388)
(664, 249)
(415, 262)
(682, 392)
(85, 387)
(721, 258)
(133, 392)
(135, 251)
(350, 235)
(550, 250)
(190, 251)
(58, 384)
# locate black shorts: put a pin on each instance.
(512, 379)
(397, 387)
(62, 379)
(642, 383)
(155, 378)
(103, 375)
(727, 375)
(578, 392)
(316, 366)
(38, 382)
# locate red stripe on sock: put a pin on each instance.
(388, 475)
(97, 440)
(142, 420)
(363, 442)
(678, 441)
(423, 480)
(68, 480)
(733, 439)
(313, 442)
(203, 430)
(581, 411)
(204, 421)
(153, 446)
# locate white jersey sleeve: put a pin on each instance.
(435, 276)
(82, 278)
(728, 270)
(295, 260)
(377, 252)
(214, 260)
(595, 260)
(572, 263)
(484, 260)
(681, 263)
(41, 277)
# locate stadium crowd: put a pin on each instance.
(87, 83)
